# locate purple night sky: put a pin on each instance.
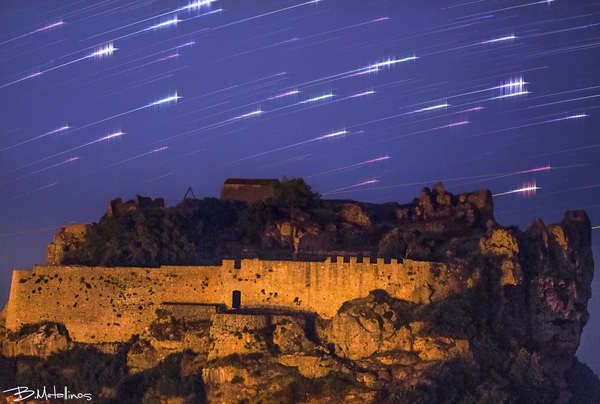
(366, 100)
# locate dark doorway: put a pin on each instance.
(236, 299)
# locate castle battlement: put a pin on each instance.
(100, 304)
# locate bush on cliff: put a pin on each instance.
(493, 375)
(104, 376)
(463, 382)
(289, 199)
(166, 380)
(82, 370)
(144, 233)
(118, 241)
(407, 243)
(471, 314)
(304, 389)
(253, 221)
(293, 193)
(154, 236)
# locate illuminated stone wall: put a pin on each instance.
(111, 304)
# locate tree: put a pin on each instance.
(293, 193)
(255, 219)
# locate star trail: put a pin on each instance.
(366, 100)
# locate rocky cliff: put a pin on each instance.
(294, 224)
(509, 336)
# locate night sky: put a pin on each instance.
(366, 100)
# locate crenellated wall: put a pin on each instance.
(111, 304)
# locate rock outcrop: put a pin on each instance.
(42, 340)
(559, 268)
(379, 325)
(440, 227)
(501, 323)
(503, 246)
(166, 336)
(66, 243)
(353, 214)
(116, 207)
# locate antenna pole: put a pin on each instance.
(189, 190)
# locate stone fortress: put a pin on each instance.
(364, 317)
(111, 304)
(101, 305)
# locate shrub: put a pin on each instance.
(293, 193)
(406, 243)
(237, 379)
(303, 389)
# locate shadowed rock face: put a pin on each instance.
(117, 207)
(559, 267)
(65, 245)
(41, 340)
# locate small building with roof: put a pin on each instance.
(247, 189)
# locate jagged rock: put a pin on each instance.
(289, 336)
(237, 334)
(176, 400)
(40, 339)
(560, 267)
(367, 326)
(116, 207)
(247, 379)
(442, 197)
(372, 328)
(432, 349)
(63, 251)
(143, 355)
(425, 202)
(147, 353)
(353, 398)
(110, 348)
(352, 213)
(398, 357)
(484, 203)
(312, 366)
(438, 188)
(503, 245)
(164, 337)
(402, 213)
(285, 229)
(197, 340)
(226, 374)
(328, 227)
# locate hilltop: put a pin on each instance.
(290, 298)
(293, 223)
